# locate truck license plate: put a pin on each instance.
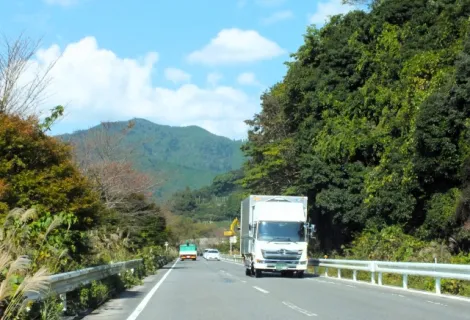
(281, 266)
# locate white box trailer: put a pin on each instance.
(274, 234)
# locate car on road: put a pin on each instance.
(212, 254)
(204, 253)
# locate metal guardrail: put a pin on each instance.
(62, 283)
(436, 270)
(377, 268)
(69, 281)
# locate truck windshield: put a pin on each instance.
(281, 231)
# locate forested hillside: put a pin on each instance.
(176, 157)
(218, 202)
(371, 122)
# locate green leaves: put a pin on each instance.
(372, 122)
(56, 113)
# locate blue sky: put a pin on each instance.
(179, 62)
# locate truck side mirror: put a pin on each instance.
(312, 231)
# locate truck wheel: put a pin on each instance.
(300, 274)
(248, 272)
(258, 273)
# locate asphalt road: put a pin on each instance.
(220, 290)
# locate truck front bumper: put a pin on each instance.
(272, 265)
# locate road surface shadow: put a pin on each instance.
(279, 275)
(106, 306)
(128, 295)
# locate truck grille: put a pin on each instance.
(282, 254)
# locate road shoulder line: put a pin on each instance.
(149, 295)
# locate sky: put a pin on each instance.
(175, 62)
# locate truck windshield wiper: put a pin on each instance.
(280, 238)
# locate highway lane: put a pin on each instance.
(203, 290)
(220, 290)
(336, 299)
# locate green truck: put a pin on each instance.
(188, 251)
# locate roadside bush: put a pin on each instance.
(392, 244)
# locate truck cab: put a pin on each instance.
(275, 234)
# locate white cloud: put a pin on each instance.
(247, 79)
(277, 17)
(236, 46)
(63, 3)
(213, 78)
(328, 8)
(177, 75)
(95, 84)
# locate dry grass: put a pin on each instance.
(18, 281)
(14, 293)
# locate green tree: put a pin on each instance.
(371, 123)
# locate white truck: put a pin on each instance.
(274, 234)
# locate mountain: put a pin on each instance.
(181, 156)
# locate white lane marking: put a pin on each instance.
(230, 275)
(232, 262)
(260, 289)
(243, 281)
(147, 298)
(226, 273)
(294, 307)
(439, 304)
(348, 285)
(323, 281)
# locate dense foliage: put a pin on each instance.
(371, 122)
(178, 157)
(53, 219)
(218, 202)
(37, 171)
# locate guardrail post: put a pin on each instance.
(355, 275)
(316, 269)
(372, 272)
(63, 298)
(438, 285)
(339, 273)
(380, 278)
(405, 281)
(326, 272)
